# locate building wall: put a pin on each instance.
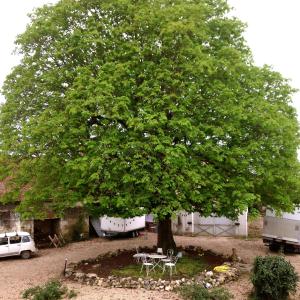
(9, 220)
(187, 223)
(27, 226)
(75, 224)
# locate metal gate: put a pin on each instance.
(215, 229)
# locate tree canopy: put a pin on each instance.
(146, 106)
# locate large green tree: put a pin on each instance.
(146, 106)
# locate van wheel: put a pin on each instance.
(25, 254)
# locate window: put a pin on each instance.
(3, 241)
(15, 239)
(25, 239)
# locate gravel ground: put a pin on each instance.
(17, 274)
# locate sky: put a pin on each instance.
(272, 34)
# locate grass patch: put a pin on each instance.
(186, 267)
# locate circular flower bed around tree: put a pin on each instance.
(118, 269)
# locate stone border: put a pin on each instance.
(208, 279)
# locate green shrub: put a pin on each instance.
(52, 290)
(198, 292)
(273, 278)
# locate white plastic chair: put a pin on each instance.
(170, 253)
(159, 251)
(172, 264)
(148, 265)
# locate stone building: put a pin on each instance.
(74, 225)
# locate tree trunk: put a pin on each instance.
(165, 238)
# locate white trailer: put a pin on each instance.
(110, 226)
(282, 231)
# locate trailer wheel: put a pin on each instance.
(289, 248)
(134, 234)
(274, 247)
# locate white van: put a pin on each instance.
(16, 243)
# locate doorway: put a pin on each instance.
(44, 228)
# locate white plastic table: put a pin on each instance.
(156, 258)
